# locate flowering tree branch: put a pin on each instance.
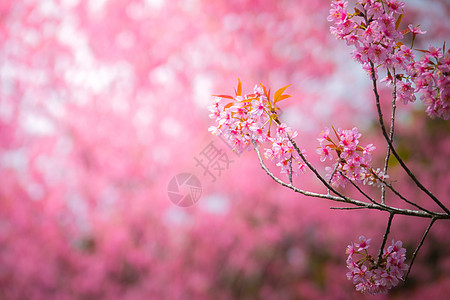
(391, 146)
(401, 196)
(419, 246)
(385, 236)
(391, 134)
(252, 120)
(344, 199)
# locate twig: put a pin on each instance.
(311, 167)
(398, 194)
(332, 174)
(394, 152)
(346, 208)
(391, 133)
(408, 212)
(418, 247)
(359, 189)
(290, 171)
(386, 233)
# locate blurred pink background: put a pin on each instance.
(103, 102)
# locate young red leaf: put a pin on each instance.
(389, 74)
(358, 12)
(282, 97)
(335, 132)
(265, 90)
(406, 31)
(279, 93)
(399, 20)
(223, 96)
(239, 88)
(229, 105)
(399, 76)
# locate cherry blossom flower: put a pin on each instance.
(415, 29)
(352, 160)
(370, 276)
(405, 92)
(363, 243)
(252, 117)
(373, 32)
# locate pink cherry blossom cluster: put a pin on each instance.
(373, 30)
(370, 276)
(432, 81)
(253, 117)
(353, 161)
(283, 152)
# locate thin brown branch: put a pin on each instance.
(359, 189)
(394, 152)
(344, 199)
(311, 167)
(418, 247)
(391, 133)
(332, 174)
(290, 171)
(346, 208)
(400, 195)
(386, 233)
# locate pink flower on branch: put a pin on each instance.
(253, 117)
(375, 277)
(373, 30)
(352, 160)
(415, 30)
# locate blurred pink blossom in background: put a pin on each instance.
(103, 102)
